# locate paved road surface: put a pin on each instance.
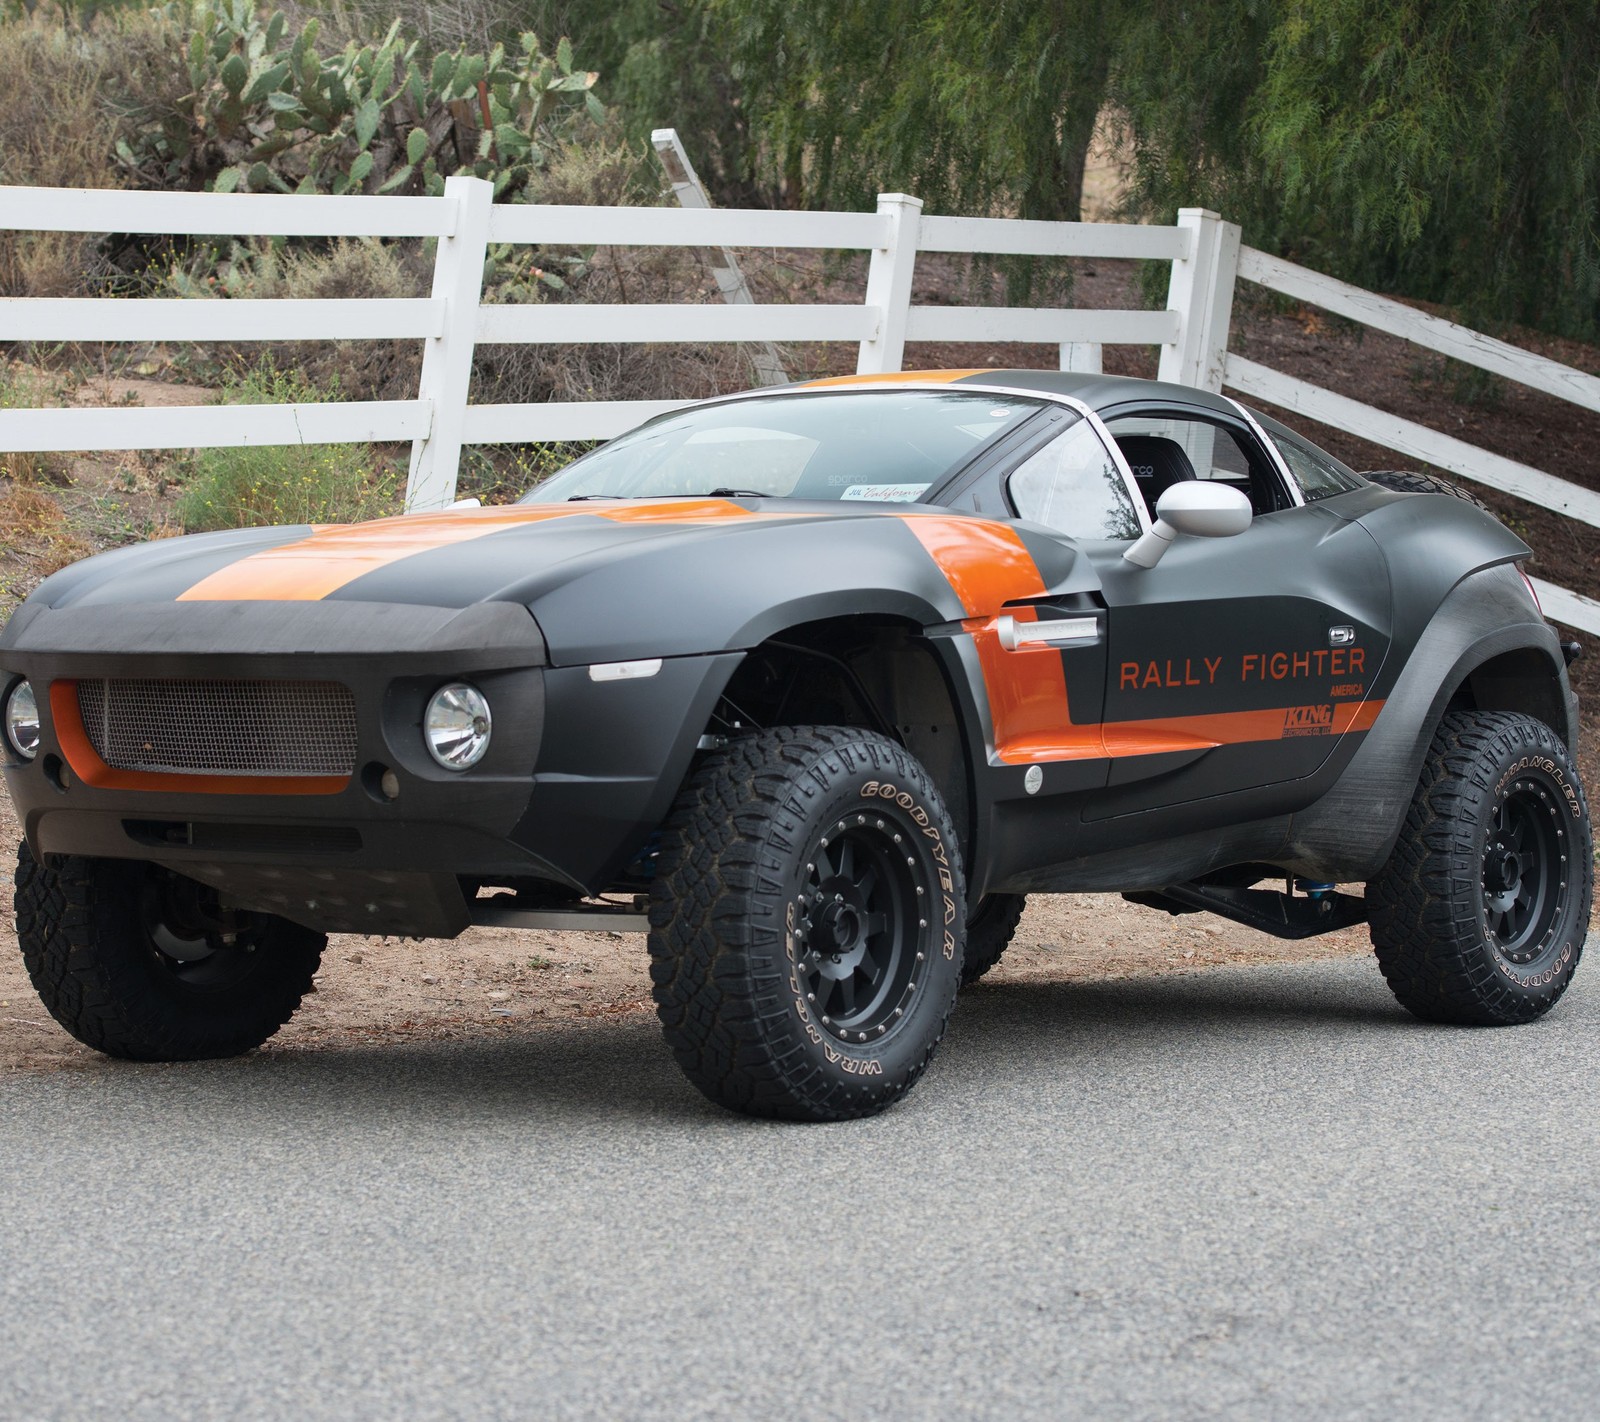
(1248, 1193)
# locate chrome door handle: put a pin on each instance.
(1067, 632)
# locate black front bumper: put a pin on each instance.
(577, 775)
(351, 860)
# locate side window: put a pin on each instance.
(1073, 485)
(1319, 475)
(1163, 450)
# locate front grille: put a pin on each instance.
(221, 727)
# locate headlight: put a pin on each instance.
(22, 720)
(456, 725)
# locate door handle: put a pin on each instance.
(1065, 632)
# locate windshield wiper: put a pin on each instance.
(579, 498)
(736, 494)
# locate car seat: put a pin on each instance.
(1157, 464)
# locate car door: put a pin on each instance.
(1235, 663)
(1042, 646)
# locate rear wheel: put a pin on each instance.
(806, 924)
(138, 962)
(1481, 912)
(989, 932)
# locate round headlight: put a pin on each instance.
(456, 726)
(22, 720)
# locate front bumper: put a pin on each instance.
(343, 858)
(577, 775)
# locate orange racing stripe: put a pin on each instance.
(1223, 728)
(336, 555)
(899, 377)
(987, 565)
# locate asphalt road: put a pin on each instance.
(1243, 1193)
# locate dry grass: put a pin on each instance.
(68, 91)
(34, 531)
(346, 269)
(25, 388)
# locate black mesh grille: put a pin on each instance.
(221, 727)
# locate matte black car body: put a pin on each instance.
(1263, 701)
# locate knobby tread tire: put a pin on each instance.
(77, 924)
(1426, 905)
(720, 957)
(1414, 481)
(989, 933)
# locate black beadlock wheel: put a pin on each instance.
(141, 963)
(989, 933)
(806, 924)
(1479, 917)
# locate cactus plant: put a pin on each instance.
(267, 111)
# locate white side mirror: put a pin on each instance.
(1199, 507)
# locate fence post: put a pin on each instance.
(1082, 356)
(889, 284)
(1201, 292)
(690, 192)
(447, 357)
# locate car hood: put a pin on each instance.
(602, 579)
(447, 559)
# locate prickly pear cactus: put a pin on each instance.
(267, 112)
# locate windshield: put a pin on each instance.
(888, 446)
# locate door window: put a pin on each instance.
(1074, 486)
(1320, 476)
(1163, 449)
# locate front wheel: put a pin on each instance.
(1479, 917)
(806, 924)
(138, 962)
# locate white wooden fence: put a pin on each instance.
(1191, 331)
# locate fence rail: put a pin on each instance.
(1408, 437)
(1191, 333)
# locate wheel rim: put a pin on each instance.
(860, 928)
(1524, 873)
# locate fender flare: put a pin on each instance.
(1349, 833)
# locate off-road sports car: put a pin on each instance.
(822, 682)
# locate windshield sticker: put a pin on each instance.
(885, 493)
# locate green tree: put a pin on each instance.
(974, 105)
(1444, 149)
(664, 64)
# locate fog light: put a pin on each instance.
(22, 720)
(456, 726)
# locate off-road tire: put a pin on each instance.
(1412, 481)
(98, 970)
(1480, 914)
(758, 912)
(989, 932)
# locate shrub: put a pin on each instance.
(265, 111)
(276, 484)
(345, 269)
